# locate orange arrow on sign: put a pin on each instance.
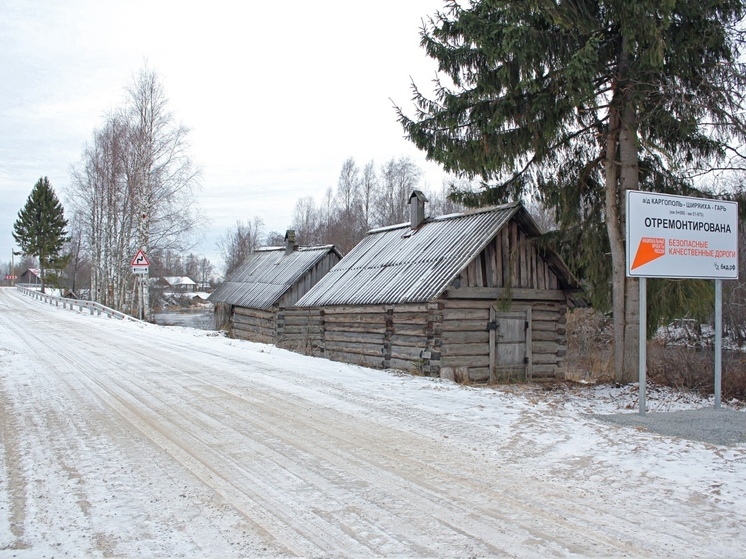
(650, 248)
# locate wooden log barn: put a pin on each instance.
(248, 302)
(471, 297)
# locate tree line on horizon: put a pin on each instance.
(364, 198)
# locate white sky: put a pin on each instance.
(277, 95)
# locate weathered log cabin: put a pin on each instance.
(248, 302)
(471, 297)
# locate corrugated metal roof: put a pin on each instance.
(266, 275)
(401, 265)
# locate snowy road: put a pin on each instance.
(131, 440)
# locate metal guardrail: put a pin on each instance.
(95, 308)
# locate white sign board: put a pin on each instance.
(140, 269)
(681, 237)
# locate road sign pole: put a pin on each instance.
(718, 340)
(682, 237)
(643, 363)
(140, 267)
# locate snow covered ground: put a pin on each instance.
(134, 440)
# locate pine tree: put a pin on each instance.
(575, 102)
(40, 227)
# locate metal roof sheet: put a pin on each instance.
(266, 275)
(400, 265)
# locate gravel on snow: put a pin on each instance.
(709, 425)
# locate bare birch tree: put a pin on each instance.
(440, 203)
(103, 206)
(361, 201)
(368, 189)
(159, 170)
(239, 241)
(306, 221)
(348, 186)
(134, 189)
(397, 180)
(348, 224)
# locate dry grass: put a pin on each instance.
(694, 369)
(589, 343)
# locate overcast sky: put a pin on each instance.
(277, 95)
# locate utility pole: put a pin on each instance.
(13, 266)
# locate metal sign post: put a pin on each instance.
(12, 276)
(643, 358)
(140, 267)
(681, 237)
(718, 340)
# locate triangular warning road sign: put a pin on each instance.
(140, 259)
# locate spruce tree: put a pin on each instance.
(40, 227)
(575, 102)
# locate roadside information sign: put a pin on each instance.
(140, 263)
(681, 237)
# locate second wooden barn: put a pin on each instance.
(471, 297)
(247, 304)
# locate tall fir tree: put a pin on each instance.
(577, 101)
(40, 227)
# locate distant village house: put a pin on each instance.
(177, 284)
(30, 275)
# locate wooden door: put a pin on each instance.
(510, 345)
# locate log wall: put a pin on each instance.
(447, 338)
(222, 316)
(413, 338)
(301, 330)
(356, 335)
(465, 338)
(548, 340)
(465, 351)
(256, 325)
(379, 336)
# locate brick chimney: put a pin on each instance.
(416, 208)
(289, 241)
